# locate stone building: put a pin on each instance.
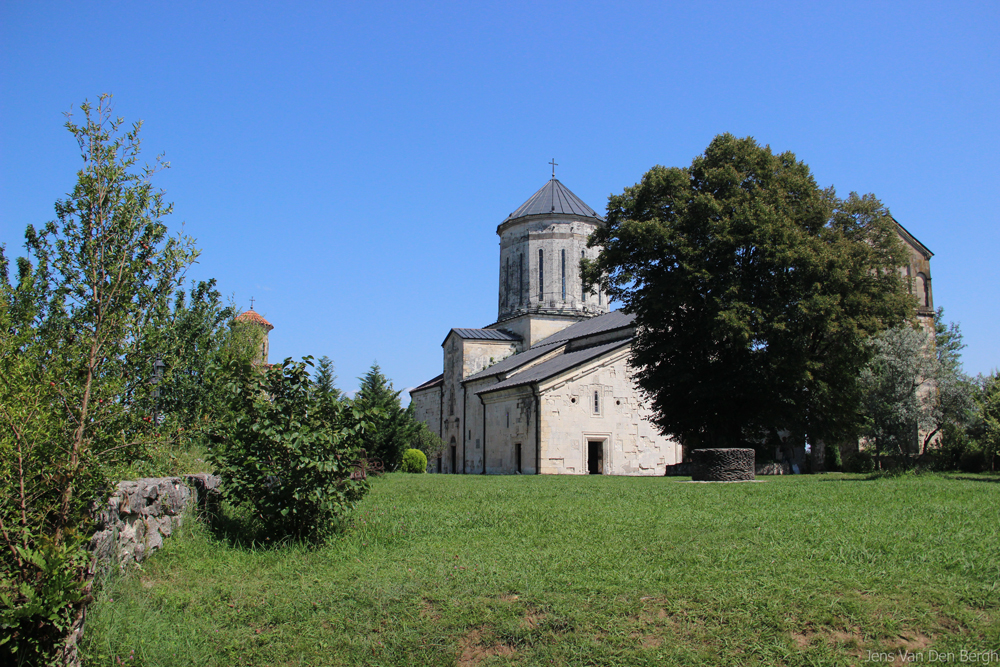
(545, 388)
(259, 327)
(918, 272)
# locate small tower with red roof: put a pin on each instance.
(253, 318)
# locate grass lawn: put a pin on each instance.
(471, 570)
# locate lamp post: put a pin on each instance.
(158, 367)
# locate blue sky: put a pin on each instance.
(347, 164)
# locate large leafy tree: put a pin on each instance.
(952, 391)
(754, 292)
(76, 348)
(196, 336)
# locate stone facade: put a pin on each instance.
(517, 396)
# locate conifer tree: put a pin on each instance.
(392, 427)
(325, 378)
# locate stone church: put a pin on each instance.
(546, 388)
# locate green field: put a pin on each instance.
(445, 570)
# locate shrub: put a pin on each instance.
(426, 441)
(859, 462)
(414, 460)
(973, 460)
(288, 453)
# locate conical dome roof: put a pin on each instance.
(554, 197)
(253, 317)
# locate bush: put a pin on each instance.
(414, 460)
(973, 460)
(859, 462)
(287, 453)
(426, 441)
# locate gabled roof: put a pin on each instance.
(512, 362)
(483, 334)
(253, 317)
(591, 327)
(557, 365)
(912, 240)
(434, 382)
(554, 197)
(616, 319)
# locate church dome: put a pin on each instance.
(253, 317)
(554, 198)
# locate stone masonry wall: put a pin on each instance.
(132, 525)
(139, 514)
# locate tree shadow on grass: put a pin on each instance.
(239, 529)
(967, 478)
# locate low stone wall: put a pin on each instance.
(132, 525)
(772, 468)
(723, 464)
(140, 513)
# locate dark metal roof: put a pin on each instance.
(434, 382)
(554, 197)
(512, 362)
(485, 334)
(616, 319)
(557, 365)
(595, 325)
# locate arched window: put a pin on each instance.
(520, 279)
(563, 258)
(506, 283)
(541, 275)
(923, 295)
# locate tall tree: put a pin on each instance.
(325, 379)
(754, 292)
(896, 388)
(74, 346)
(392, 427)
(953, 392)
(988, 403)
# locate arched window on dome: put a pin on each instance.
(541, 275)
(563, 260)
(520, 279)
(506, 283)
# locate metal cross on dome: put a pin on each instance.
(251, 303)
(554, 165)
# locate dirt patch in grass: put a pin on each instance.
(429, 611)
(473, 651)
(532, 619)
(912, 641)
(849, 637)
(647, 641)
